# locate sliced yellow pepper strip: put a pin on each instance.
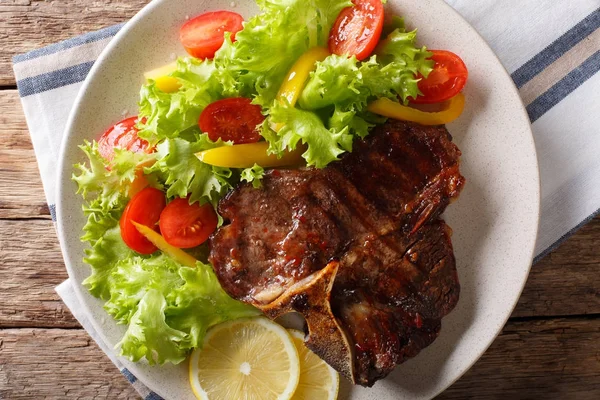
(165, 70)
(174, 252)
(164, 82)
(296, 79)
(391, 109)
(168, 84)
(246, 155)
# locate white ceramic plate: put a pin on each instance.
(495, 220)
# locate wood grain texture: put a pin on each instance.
(567, 281)
(21, 192)
(57, 364)
(548, 359)
(30, 269)
(27, 25)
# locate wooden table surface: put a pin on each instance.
(549, 349)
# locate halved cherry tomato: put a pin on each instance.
(144, 208)
(234, 120)
(186, 225)
(203, 35)
(123, 135)
(357, 29)
(447, 79)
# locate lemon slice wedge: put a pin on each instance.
(317, 379)
(250, 358)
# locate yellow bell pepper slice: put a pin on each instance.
(246, 155)
(296, 79)
(391, 109)
(294, 82)
(174, 252)
(164, 82)
(165, 70)
(168, 84)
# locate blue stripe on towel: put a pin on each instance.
(52, 208)
(560, 46)
(564, 87)
(67, 44)
(153, 396)
(127, 374)
(53, 80)
(566, 236)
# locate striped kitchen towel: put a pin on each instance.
(551, 48)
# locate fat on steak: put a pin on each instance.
(358, 248)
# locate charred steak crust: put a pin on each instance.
(357, 248)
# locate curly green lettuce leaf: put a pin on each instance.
(168, 115)
(350, 84)
(201, 303)
(270, 43)
(107, 191)
(102, 257)
(358, 124)
(184, 174)
(171, 307)
(253, 175)
(300, 126)
(339, 81)
(400, 47)
(107, 182)
(133, 277)
(149, 336)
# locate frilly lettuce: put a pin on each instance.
(333, 103)
(253, 175)
(107, 183)
(298, 126)
(168, 307)
(184, 174)
(350, 84)
(168, 115)
(264, 51)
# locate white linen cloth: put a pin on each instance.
(551, 49)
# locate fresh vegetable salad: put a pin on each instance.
(293, 86)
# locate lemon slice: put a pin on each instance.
(250, 358)
(317, 379)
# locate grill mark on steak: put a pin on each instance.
(357, 248)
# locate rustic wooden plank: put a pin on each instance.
(548, 359)
(567, 281)
(21, 192)
(31, 266)
(26, 25)
(57, 364)
(551, 359)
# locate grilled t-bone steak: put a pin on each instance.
(357, 248)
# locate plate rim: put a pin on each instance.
(64, 169)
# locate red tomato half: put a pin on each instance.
(186, 226)
(357, 29)
(203, 35)
(234, 120)
(144, 208)
(123, 135)
(447, 79)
